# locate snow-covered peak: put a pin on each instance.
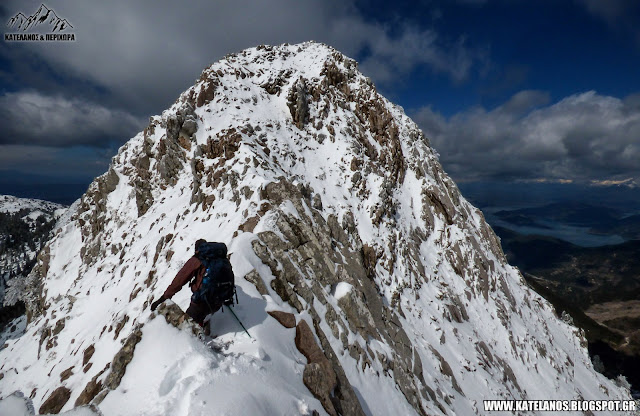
(25, 226)
(10, 204)
(393, 292)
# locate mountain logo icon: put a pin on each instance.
(43, 16)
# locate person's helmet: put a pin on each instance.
(197, 245)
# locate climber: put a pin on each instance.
(212, 286)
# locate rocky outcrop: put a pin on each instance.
(142, 186)
(170, 154)
(318, 374)
(321, 380)
(176, 317)
(66, 374)
(207, 91)
(304, 248)
(88, 353)
(288, 320)
(298, 104)
(89, 392)
(92, 389)
(122, 359)
(92, 215)
(254, 277)
(30, 288)
(56, 401)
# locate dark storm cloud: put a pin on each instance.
(146, 52)
(34, 118)
(133, 59)
(52, 163)
(584, 137)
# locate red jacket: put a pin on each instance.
(192, 270)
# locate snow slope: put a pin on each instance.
(335, 209)
(11, 204)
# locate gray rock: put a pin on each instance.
(305, 248)
(178, 318)
(189, 127)
(320, 385)
(319, 376)
(317, 202)
(254, 277)
(122, 359)
(298, 103)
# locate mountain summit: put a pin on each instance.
(393, 292)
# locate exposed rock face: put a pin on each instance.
(318, 374)
(176, 317)
(298, 105)
(91, 390)
(304, 248)
(88, 353)
(320, 380)
(179, 130)
(122, 359)
(286, 319)
(32, 289)
(56, 401)
(254, 277)
(140, 164)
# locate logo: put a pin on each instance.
(43, 19)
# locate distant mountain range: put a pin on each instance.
(25, 226)
(43, 15)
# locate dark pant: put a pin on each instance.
(199, 311)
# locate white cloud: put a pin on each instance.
(390, 57)
(34, 118)
(147, 52)
(582, 137)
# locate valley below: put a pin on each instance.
(598, 287)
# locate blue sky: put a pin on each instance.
(506, 90)
(554, 46)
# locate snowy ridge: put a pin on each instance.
(26, 227)
(336, 210)
(11, 204)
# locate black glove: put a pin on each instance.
(155, 304)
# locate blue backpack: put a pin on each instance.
(218, 285)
